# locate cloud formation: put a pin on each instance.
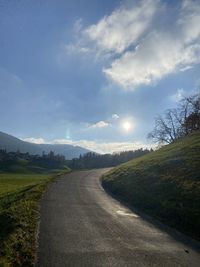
(99, 147)
(144, 50)
(115, 116)
(99, 124)
(105, 147)
(123, 27)
(34, 140)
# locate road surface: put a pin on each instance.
(81, 225)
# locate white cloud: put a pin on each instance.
(116, 32)
(78, 25)
(104, 147)
(144, 50)
(99, 147)
(100, 124)
(186, 68)
(189, 20)
(75, 48)
(160, 54)
(115, 116)
(34, 140)
(78, 46)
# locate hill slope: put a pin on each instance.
(164, 184)
(11, 143)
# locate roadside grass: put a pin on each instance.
(164, 184)
(19, 214)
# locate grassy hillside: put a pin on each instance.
(19, 196)
(164, 184)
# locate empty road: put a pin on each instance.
(81, 225)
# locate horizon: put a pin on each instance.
(81, 145)
(95, 74)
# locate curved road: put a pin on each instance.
(83, 226)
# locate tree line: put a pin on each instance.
(49, 161)
(92, 160)
(55, 161)
(177, 122)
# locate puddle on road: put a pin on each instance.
(124, 213)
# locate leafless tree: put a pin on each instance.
(191, 108)
(175, 123)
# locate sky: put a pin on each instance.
(95, 73)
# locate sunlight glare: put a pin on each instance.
(126, 126)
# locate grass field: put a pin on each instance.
(19, 196)
(164, 184)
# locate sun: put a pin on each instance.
(127, 126)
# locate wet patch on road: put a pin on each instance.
(124, 213)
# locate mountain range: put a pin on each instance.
(12, 144)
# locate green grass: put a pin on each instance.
(164, 184)
(19, 197)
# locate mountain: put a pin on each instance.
(11, 143)
(164, 184)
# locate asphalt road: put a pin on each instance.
(81, 225)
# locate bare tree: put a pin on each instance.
(191, 121)
(178, 122)
(167, 128)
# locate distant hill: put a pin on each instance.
(11, 143)
(164, 183)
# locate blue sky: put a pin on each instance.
(76, 71)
